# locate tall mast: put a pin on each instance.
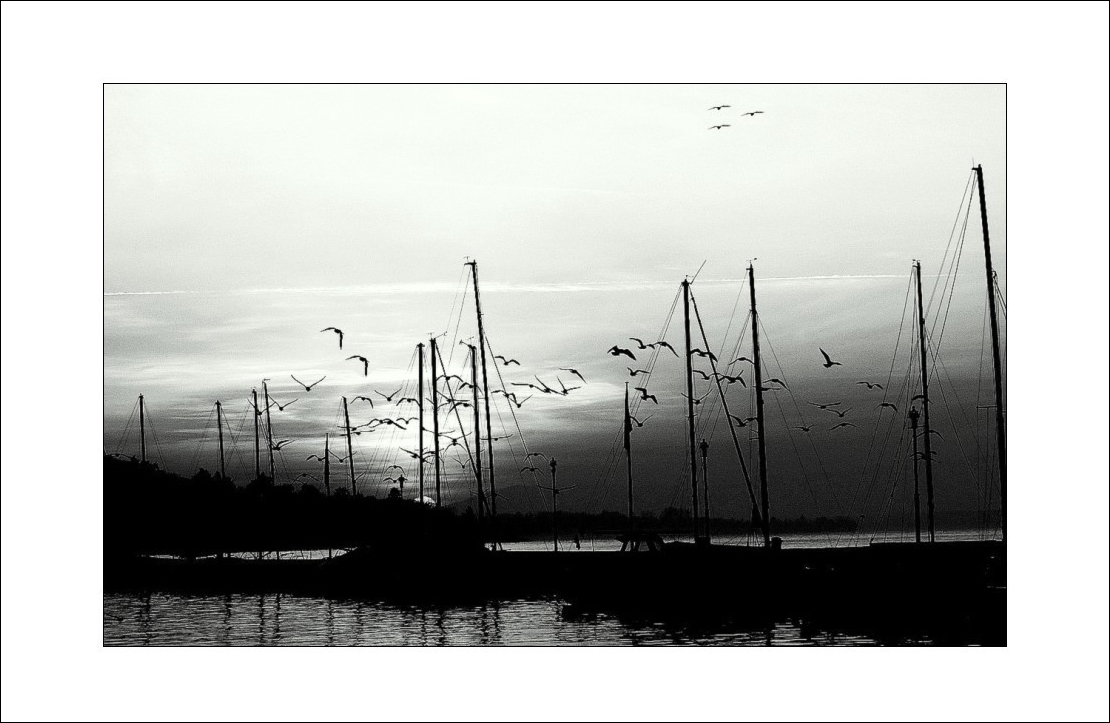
(690, 407)
(728, 413)
(350, 454)
(220, 428)
(925, 405)
(269, 427)
(916, 491)
(999, 411)
(327, 465)
(142, 430)
(765, 512)
(628, 458)
(257, 414)
(435, 417)
(705, 484)
(485, 392)
(420, 396)
(477, 433)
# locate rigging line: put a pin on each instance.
(154, 438)
(890, 376)
(952, 233)
(955, 270)
(797, 408)
(980, 459)
(127, 428)
(724, 402)
(194, 462)
(951, 417)
(512, 411)
(459, 288)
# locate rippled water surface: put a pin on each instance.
(282, 619)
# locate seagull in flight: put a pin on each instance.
(741, 358)
(719, 127)
(664, 344)
(733, 380)
(829, 363)
(308, 387)
(752, 113)
(741, 422)
(718, 107)
(365, 363)
(640, 342)
(805, 429)
(337, 331)
(281, 407)
(633, 372)
(709, 354)
(506, 362)
(839, 413)
(365, 399)
(645, 396)
(842, 424)
(282, 443)
(826, 406)
(617, 351)
(780, 382)
(520, 403)
(703, 374)
(390, 397)
(536, 454)
(312, 457)
(575, 372)
(886, 404)
(871, 385)
(638, 422)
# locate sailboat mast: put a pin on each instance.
(420, 434)
(350, 453)
(485, 392)
(999, 411)
(765, 512)
(628, 457)
(220, 429)
(257, 414)
(925, 406)
(327, 465)
(690, 407)
(477, 433)
(435, 417)
(705, 484)
(269, 427)
(142, 431)
(916, 491)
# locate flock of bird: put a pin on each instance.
(772, 384)
(720, 126)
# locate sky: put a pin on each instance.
(240, 220)
(58, 192)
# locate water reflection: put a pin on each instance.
(284, 619)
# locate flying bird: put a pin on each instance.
(887, 404)
(666, 345)
(779, 382)
(839, 413)
(575, 372)
(871, 385)
(829, 363)
(718, 107)
(826, 406)
(506, 362)
(281, 407)
(842, 424)
(645, 396)
(732, 380)
(337, 331)
(633, 372)
(617, 351)
(521, 402)
(388, 398)
(703, 374)
(365, 399)
(717, 128)
(751, 113)
(365, 363)
(536, 454)
(805, 429)
(282, 443)
(308, 387)
(741, 358)
(313, 457)
(701, 353)
(640, 342)
(529, 468)
(638, 422)
(404, 400)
